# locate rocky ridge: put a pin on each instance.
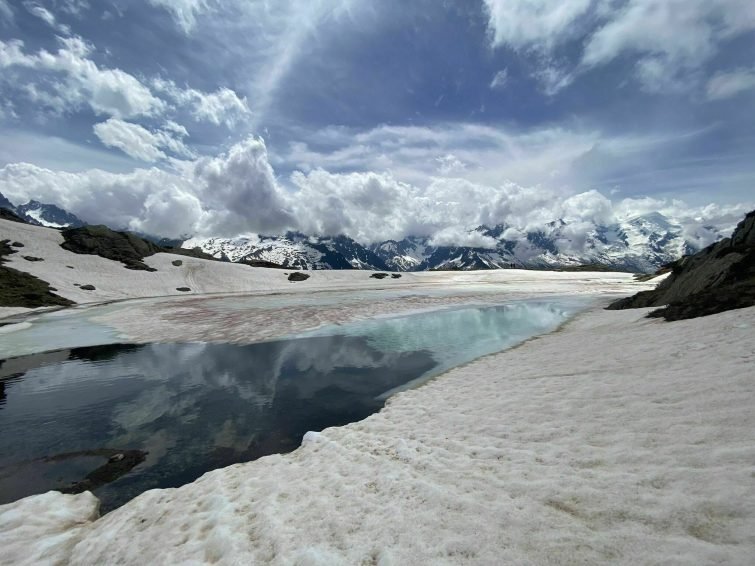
(718, 278)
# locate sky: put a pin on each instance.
(377, 119)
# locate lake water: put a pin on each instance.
(196, 407)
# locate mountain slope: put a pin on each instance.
(41, 214)
(718, 278)
(293, 251)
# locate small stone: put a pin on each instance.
(379, 275)
(177, 262)
(395, 275)
(32, 258)
(17, 245)
(87, 287)
(183, 289)
(298, 276)
(70, 266)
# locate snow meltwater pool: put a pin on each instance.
(183, 409)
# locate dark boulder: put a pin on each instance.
(183, 289)
(379, 275)
(87, 287)
(298, 276)
(177, 262)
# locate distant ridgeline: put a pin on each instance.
(721, 277)
(640, 244)
(41, 214)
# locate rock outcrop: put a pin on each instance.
(718, 278)
(20, 289)
(125, 247)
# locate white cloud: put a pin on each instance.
(77, 80)
(46, 16)
(730, 83)
(232, 193)
(184, 12)
(141, 143)
(449, 164)
(237, 192)
(500, 79)
(240, 191)
(560, 157)
(552, 78)
(223, 106)
(539, 24)
(671, 40)
(457, 236)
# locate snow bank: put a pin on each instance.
(63, 270)
(617, 439)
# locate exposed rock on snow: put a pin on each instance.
(720, 277)
(20, 289)
(298, 276)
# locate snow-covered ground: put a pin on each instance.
(617, 439)
(112, 281)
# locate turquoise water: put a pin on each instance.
(195, 407)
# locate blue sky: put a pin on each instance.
(377, 119)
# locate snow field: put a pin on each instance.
(617, 439)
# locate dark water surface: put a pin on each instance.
(193, 407)
(197, 407)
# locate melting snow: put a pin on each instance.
(615, 440)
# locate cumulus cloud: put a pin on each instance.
(68, 79)
(76, 80)
(223, 106)
(449, 164)
(237, 192)
(241, 192)
(730, 83)
(232, 193)
(141, 143)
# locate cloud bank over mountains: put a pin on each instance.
(237, 192)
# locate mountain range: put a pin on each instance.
(41, 214)
(641, 244)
